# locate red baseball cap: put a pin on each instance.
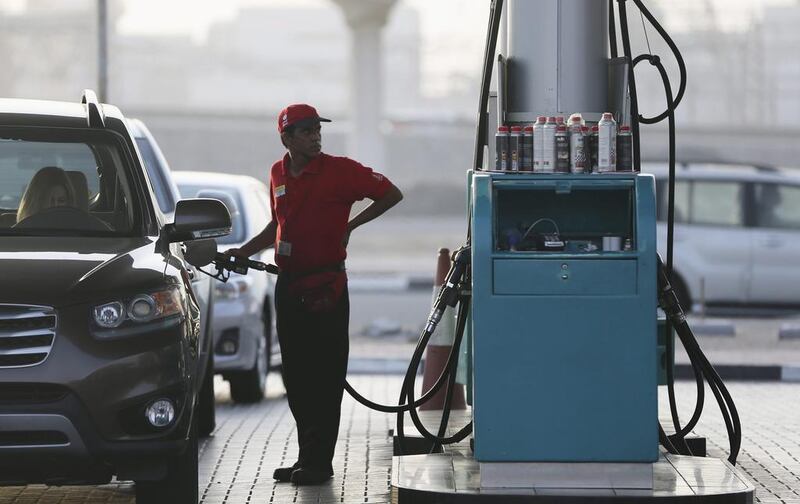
(297, 115)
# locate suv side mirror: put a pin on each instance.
(198, 218)
(225, 197)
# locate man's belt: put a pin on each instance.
(294, 275)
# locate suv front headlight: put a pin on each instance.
(140, 312)
(109, 315)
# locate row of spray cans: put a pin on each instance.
(552, 146)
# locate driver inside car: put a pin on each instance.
(50, 187)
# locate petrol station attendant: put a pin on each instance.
(311, 194)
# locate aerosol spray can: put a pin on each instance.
(527, 148)
(577, 145)
(562, 149)
(501, 149)
(549, 146)
(515, 148)
(607, 144)
(592, 138)
(576, 117)
(538, 144)
(625, 149)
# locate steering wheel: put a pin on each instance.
(63, 217)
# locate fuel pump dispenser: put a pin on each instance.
(569, 333)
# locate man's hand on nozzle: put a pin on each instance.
(236, 252)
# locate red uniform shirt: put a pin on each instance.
(312, 210)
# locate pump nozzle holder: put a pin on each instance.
(667, 298)
(448, 294)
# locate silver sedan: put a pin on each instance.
(245, 342)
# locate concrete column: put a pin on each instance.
(366, 19)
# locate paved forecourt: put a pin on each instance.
(236, 464)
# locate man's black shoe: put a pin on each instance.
(284, 474)
(304, 476)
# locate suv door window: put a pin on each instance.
(715, 245)
(776, 277)
(682, 201)
(156, 172)
(777, 206)
(717, 203)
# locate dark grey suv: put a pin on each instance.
(104, 357)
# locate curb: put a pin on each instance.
(728, 372)
(389, 283)
(789, 332)
(713, 328)
(737, 372)
(358, 365)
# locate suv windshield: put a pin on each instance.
(64, 183)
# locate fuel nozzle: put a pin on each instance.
(241, 264)
(667, 298)
(225, 264)
(448, 293)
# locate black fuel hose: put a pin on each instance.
(698, 409)
(675, 51)
(626, 48)
(702, 368)
(407, 394)
(678, 57)
(451, 382)
(461, 321)
(679, 441)
(680, 433)
(407, 403)
(669, 302)
(481, 131)
(452, 293)
(612, 30)
(446, 407)
(679, 445)
(416, 359)
(730, 414)
(449, 295)
(409, 382)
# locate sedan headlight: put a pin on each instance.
(139, 309)
(234, 288)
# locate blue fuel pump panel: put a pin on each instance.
(564, 318)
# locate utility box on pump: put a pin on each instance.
(564, 318)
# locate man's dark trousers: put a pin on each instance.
(314, 350)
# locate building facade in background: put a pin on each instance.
(212, 103)
(257, 62)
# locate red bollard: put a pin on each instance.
(438, 349)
